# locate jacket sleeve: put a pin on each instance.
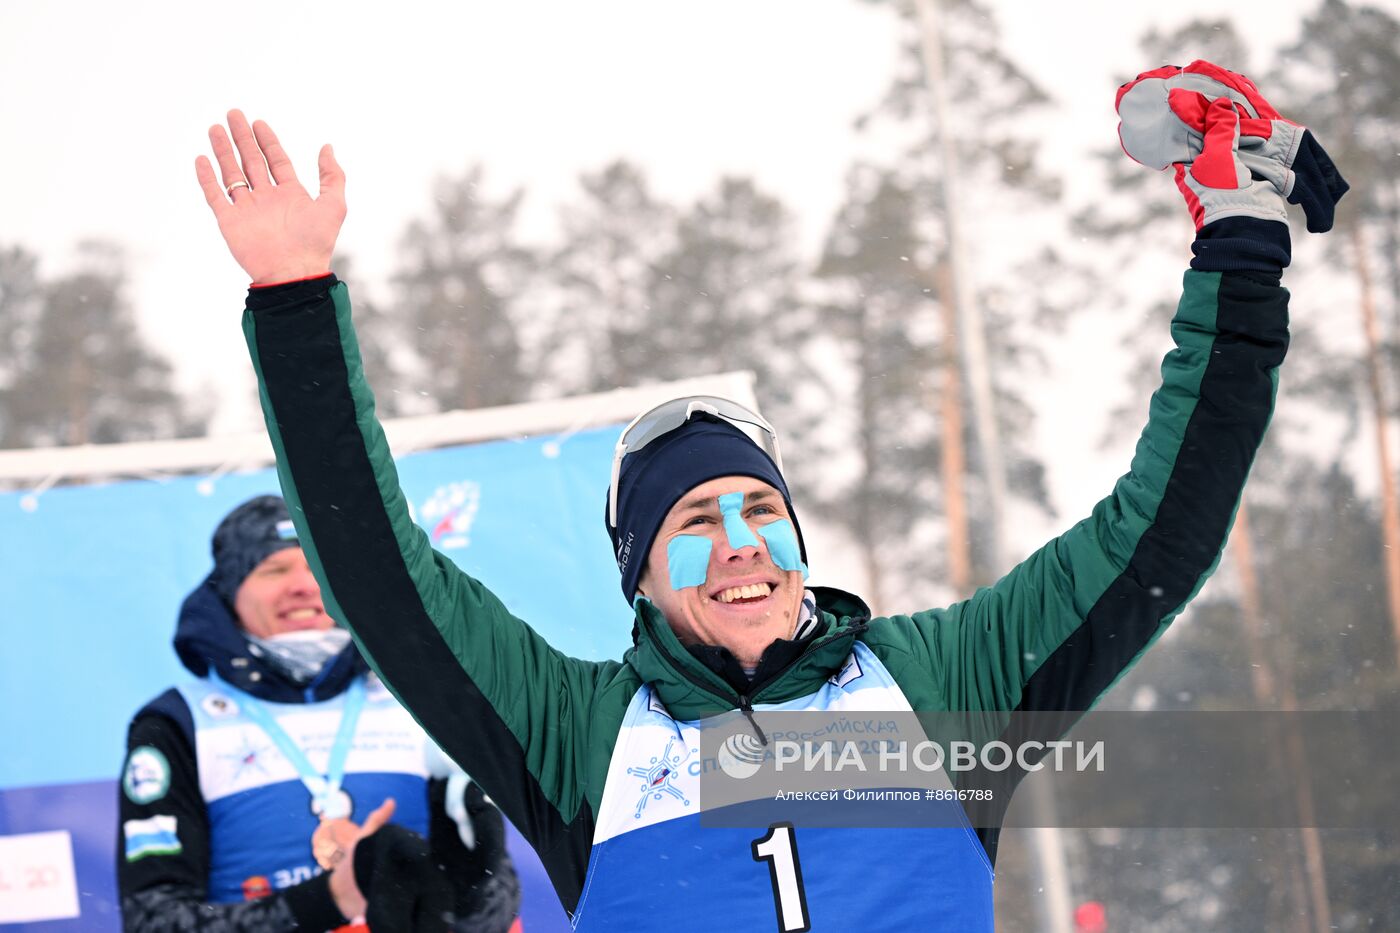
(1058, 630)
(512, 711)
(163, 851)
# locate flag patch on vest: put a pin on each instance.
(152, 836)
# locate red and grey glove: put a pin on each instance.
(1233, 154)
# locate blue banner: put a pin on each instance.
(92, 578)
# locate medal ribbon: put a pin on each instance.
(323, 787)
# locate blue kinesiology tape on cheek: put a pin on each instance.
(782, 546)
(688, 558)
(740, 535)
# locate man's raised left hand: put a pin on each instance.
(275, 230)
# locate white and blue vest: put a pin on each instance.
(260, 814)
(653, 865)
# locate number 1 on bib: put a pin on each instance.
(779, 850)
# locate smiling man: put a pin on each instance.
(278, 597)
(698, 490)
(242, 787)
(597, 761)
(747, 602)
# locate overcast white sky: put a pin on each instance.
(105, 105)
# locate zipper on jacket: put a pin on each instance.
(745, 704)
(695, 681)
(746, 708)
(856, 628)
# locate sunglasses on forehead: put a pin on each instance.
(668, 416)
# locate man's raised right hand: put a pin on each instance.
(1233, 153)
(275, 230)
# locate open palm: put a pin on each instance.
(273, 227)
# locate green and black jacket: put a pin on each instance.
(537, 729)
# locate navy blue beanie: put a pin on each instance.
(656, 477)
(245, 538)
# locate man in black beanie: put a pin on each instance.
(598, 761)
(709, 487)
(254, 797)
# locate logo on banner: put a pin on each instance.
(147, 775)
(38, 880)
(449, 513)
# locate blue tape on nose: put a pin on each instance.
(688, 558)
(740, 535)
(782, 546)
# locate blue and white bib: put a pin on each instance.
(653, 865)
(260, 812)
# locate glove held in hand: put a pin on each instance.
(405, 891)
(1185, 116)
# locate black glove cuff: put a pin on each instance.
(1242, 244)
(313, 906)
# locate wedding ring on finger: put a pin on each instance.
(229, 189)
